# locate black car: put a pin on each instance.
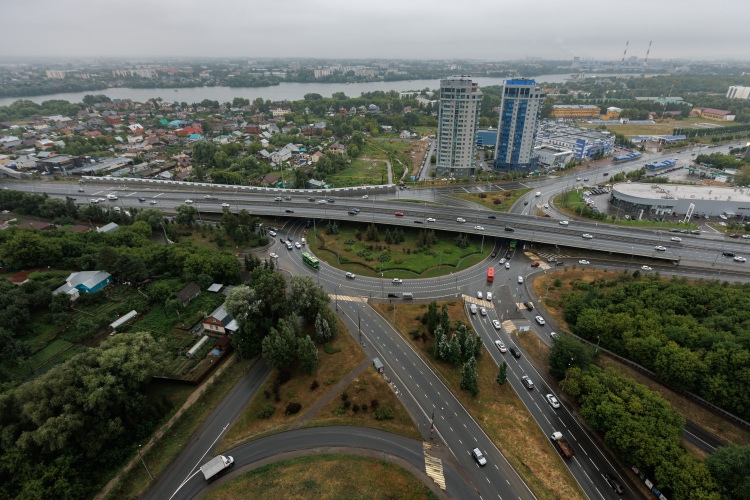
(289, 211)
(509, 229)
(727, 254)
(560, 264)
(311, 199)
(352, 212)
(141, 199)
(418, 221)
(507, 256)
(525, 202)
(674, 230)
(515, 352)
(493, 254)
(393, 296)
(492, 217)
(529, 306)
(331, 200)
(614, 483)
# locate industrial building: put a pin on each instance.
(576, 111)
(516, 130)
(458, 122)
(583, 142)
(720, 115)
(738, 92)
(552, 157)
(657, 199)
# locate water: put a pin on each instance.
(286, 90)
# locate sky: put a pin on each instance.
(390, 29)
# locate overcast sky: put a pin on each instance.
(393, 29)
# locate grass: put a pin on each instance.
(497, 409)
(329, 476)
(135, 481)
(405, 260)
(47, 353)
(507, 198)
(695, 413)
(368, 386)
(360, 172)
(331, 369)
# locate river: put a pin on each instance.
(285, 91)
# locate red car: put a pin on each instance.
(400, 214)
(535, 264)
(734, 235)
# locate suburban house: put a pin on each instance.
(404, 134)
(85, 281)
(337, 148)
(220, 321)
(282, 154)
(281, 110)
(188, 293)
(269, 180)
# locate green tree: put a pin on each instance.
(454, 351)
(322, 330)
(151, 217)
(502, 373)
(60, 303)
(432, 317)
(280, 346)
(445, 320)
(729, 466)
(439, 343)
(242, 304)
(307, 354)
(469, 377)
(307, 298)
(567, 351)
(186, 215)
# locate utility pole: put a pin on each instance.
(144, 463)
(359, 328)
(440, 262)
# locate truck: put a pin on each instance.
(562, 444)
(216, 465)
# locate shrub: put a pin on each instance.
(267, 410)
(344, 396)
(414, 333)
(398, 261)
(482, 195)
(557, 282)
(314, 385)
(374, 404)
(496, 201)
(347, 403)
(417, 317)
(284, 376)
(355, 408)
(384, 412)
(267, 394)
(293, 408)
(364, 407)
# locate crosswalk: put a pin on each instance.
(480, 302)
(347, 298)
(534, 257)
(522, 307)
(433, 466)
(508, 326)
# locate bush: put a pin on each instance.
(355, 408)
(344, 396)
(384, 412)
(267, 394)
(364, 407)
(284, 376)
(267, 410)
(347, 403)
(414, 333)
(293, 408)
(374, 404)
(314, 385)
(417, 317)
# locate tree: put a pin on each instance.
(186, 215)
(60, 303)
(242, 304)
(432, 317)
(150, 216)
(322, 330)
(469, 377)
(502, 373)
(307, 297)
(280, 346)
(729, 465)
(445, 320)
(567, 351)
(454, 351)
(308, 354)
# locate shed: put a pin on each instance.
(378, 365)
(123, 319)
(197, 347)
(216, 287)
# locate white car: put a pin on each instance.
(578, 178)
(660, 248)
(430, 219)
(502, 261)
(553, 402)
(208, 197)
(737, 258)
(225, 205)
(489, 295)
(587, 236)
(497, 326)
(563, 223)
(396, 281)
(365, 197)
(274, 256)
(459, 219)
(278, 198)
(478, 456)
(479, 295)
(297, 245)
(153, 202)
(584, 262)
(321, 201)
(188, 201)
(479, 228)
(500, 346)
(675, 238)
(546, 205)
(520, 280)
(483, 311)
(351, 275)
(272, 233)
(540, 320)
(507, 265)
(645, 268)
(746, 236)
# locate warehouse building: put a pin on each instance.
(583, 142)
(658, 199)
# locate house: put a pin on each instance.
(282, 154)
(337, 148)
(316, 156)
(269, 180)
(84, 282)
(35, 224)
(404, 134)
(188, 293)
(281, 110)
(220, 321)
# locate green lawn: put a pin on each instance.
(404, 260)
(48, 352)
(507, 198)
(360, 172)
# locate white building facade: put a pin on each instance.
(458, 122)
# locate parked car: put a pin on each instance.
(535, 264)
(479, 295)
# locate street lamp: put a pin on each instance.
(337, 297)
(144, 463)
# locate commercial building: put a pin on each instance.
(576, 111)
(583, 142)
(720, 115)
(613, 113)
(657, 199)
(487, 138)
(516, 129)
(738, 92)
(552, 157)
(458, 122)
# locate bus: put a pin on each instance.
(491, 274)
(512, 247)
(310, 260)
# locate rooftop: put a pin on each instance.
(683, 192)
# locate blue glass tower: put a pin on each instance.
(516, 130)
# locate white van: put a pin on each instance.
(302, 241)
(408, 295)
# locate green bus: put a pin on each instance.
(310, 260)
(512, 246)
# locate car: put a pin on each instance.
(492, 217)
(351, 276)
(605, 174)
(479, 295)
(331, 200)
(554, 335)
(515, 352)
(645, 268)
(734, 235)
(585, 178)
(507, 265)
(500, 346)
(493, 254)
(509, 229)
(560, 264)
(529, 306)
(322, 201)
(737, 258)
(535, 264)
(546, 205)
(587, 236)
(552, 400)
(507, 256)
(297, 245)
(502, 260)
(483, 311)
(695, 231)
(723, 217)
(525, 203)
(527, 382)
(418, 221)
(497, 326)
(584, 262)
(289, 211)
(392, 295)
(188, 201)
(745, 236)
(80, 190)
(614, 483)
(272, 233)
(520, 280)
(685, 231)
(352, 212)
(399, 214)
(430, 219)
(478, 456)
(660, 248)
(675, 238)
(311, 199)
(288, 246)
(225, 205)
(459, 219)
(578, 178)
(674, 230)
(274, 256)
(479, 228)
(278, 198)
(540, 320)
(365, 197)
(289, 239)
(489, 295)
(564, 223)
(153, 202)
(355, 210)
(397, 281)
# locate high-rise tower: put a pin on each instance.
(516, 130)
(458, 121)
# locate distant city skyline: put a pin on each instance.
(387, 29)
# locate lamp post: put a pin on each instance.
(144, 463)
(440, 262)
(337, 297)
